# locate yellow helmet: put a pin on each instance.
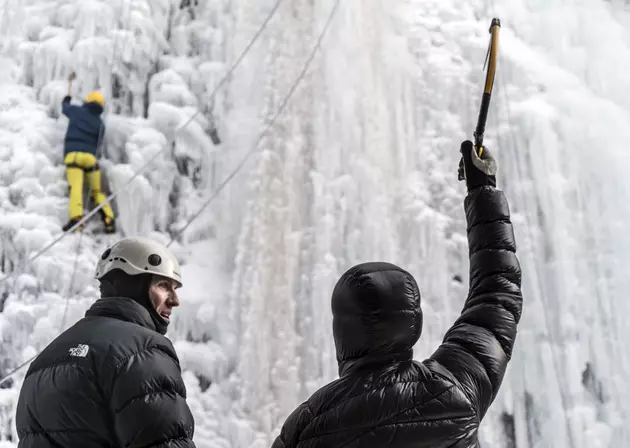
(95, 97)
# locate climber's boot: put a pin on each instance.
(71, 223)
(110, 224)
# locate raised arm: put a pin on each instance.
(66, 107)
(149, 402)
(477, 349)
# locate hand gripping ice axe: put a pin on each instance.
(491, 62)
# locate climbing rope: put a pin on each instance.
(153, 156)
(142, 169)
(269, 126)
(79, 244)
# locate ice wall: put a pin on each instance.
(568, 117)
(361, 166)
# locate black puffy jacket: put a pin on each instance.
(108, 381)
(383, 398)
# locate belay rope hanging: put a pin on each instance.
(239, 166)
(153, 157)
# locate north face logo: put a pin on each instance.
(80, 350)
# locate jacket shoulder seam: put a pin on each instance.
(308, 409)
(415, 406)
(136, 353)
(51, 366)
(170, 439)
(53, 431)
(458, 386)
(162, 390)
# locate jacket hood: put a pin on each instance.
(377, 318)
(94, 107)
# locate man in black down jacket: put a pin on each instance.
(385, 399)
(113, 379)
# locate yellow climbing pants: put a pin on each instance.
(78, 163)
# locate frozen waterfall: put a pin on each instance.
(362, 165)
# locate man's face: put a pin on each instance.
(163, 296)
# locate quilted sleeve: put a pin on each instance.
(149, 401)
(477, 349)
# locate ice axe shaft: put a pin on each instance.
(71, 78)
(491, 59)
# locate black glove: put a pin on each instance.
(477, 170)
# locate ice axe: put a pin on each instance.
(491, 62)
(71, 78)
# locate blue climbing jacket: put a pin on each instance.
(85, 127)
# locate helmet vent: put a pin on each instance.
(106, 254)
(155, 260)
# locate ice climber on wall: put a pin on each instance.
(83, 138)
(383, 398)
(113, 379)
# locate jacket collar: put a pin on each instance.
(122, 308)
(373, 362)
(93, 107)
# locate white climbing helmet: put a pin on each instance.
(137, 255)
